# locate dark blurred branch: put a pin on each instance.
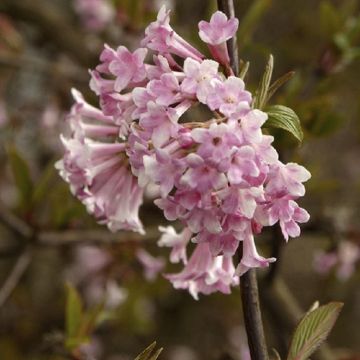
(15, 224)
(248, 282)
(69, 237)
(47, 18)
(54, 69)
(15, 275)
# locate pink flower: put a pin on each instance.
(205, 273)
(219, 29)
(128, 67)
(163, 169)
(202, 176)
(287, 179)
(178, 242)
(227, 96)
(160, 36)
(161, 122)
(166, 90)
(152, 266)
(216, 32)
(251, 258)
(198, 78)
(216, 142)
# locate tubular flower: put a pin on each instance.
(220, 177)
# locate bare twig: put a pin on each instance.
(16, 225)
(15, 275)
(248, 283)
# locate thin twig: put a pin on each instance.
(15, 275)
(248, 283)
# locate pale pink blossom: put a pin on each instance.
(216, 32)
(198, 76)
(226, 96)
(160, 36)
(178, 242)
(127, 67)
(152, 266)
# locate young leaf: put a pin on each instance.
(278, 83)
(243, 70)
(282, 117)
(21, 175)
(74, 311)
(145, 355)
(261, 94)
(156, 354)
(312, 330)
(276, 354)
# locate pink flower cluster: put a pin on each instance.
(220, 177)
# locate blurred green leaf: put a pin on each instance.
(42, 185)
(250, 20)
(312, 330)
(21, 174)
(74, 311)
(331, 19)
(261, 93)
(282, 117)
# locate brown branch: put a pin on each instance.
(15, 275)
(69, 237)
(248, 282)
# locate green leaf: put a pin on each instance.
(74, 311)
(147, 353)
(282, 117)
(278, 83)
(244, 67)
(157, 354)
(21, 175)
(312, 330)
(261, 94)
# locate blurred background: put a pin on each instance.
(114, 293)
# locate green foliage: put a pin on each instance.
(79, 323)
(312, 330)
(148, 354)
(21, 173)
(282, 117)
(261, 93)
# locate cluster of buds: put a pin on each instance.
(220, 177)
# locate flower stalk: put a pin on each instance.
(248, 284)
